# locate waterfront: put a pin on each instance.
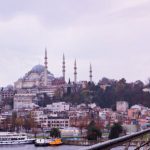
(32, 147)
(62, 147)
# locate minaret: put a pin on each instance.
(90, 73)
(75, 72)
(63, 67)
(45, 72)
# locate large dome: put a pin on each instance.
(38, 69)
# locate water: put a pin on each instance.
(32, 147)
(61, 147)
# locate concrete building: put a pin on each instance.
(131, 128)
(92, 105)
(58, 107)
(58, 122)
(23, 101)
(122, 106)
(7, 92)
(70, 132)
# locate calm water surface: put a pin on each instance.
(62, 147)
(32, 147)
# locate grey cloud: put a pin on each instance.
(111, 34)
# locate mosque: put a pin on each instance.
(38, 81)
(38, 76)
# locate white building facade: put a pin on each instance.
(58, 107)
(23, 101)
(122, 106)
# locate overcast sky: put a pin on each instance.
(112, 35)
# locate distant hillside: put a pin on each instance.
(107, 92)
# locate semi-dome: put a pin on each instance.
(8, 87)
(38, 69)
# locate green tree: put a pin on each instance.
(115, 131)
(93, 133)
(55, 132)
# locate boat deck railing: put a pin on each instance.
(139, 140)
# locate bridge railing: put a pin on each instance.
(125, 140)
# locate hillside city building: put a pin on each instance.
(39, 85)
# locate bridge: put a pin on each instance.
(140, 141)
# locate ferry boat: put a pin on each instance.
(56, 141)
(42, 142)
(14, 138)
(48, 142)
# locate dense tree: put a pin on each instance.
(19, 123)
(93, 132)
(108, 91)
(115, 131)
(13, 120)
(54, 132)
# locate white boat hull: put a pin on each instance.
(8, 138)
(17, 142)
